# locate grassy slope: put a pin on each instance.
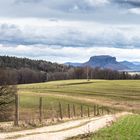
(29, 106)
(111, 89)
(126, 128)
(118, 93)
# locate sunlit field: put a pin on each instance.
(120, 94)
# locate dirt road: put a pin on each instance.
(64, 130)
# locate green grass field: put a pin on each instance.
(115, 95)
(29, 106)
(126, 128)
(119, 94)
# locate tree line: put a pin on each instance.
(23, 70)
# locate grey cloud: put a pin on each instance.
(10, 34)
(82, 5)
(66, 54)
(67, 37)
(109, 12)
(134, 3)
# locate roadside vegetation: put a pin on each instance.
(126, 128)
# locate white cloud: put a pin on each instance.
(68, 54)
(134, 11)
(97, 3)
(69, 33)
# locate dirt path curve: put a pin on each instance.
(64, 130)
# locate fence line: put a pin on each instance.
(71, 110)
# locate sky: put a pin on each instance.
(70, 30)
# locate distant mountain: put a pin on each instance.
(136, 63)
(108, 62)
(131, 66)
(105, 61)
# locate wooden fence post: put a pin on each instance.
(81, 111)
(52, 112)
(108, 111)
(88, 112)
(16, 122)
(60, 111)
(94, 110)
(74, 110)
(40, 109)
(98, 111)
(69, 111)
(102, 110)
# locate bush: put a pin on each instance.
(7, 99)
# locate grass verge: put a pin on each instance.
(126, 128)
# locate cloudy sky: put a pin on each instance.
(70, 30)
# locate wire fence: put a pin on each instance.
(41, 109)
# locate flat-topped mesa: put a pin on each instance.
(102, 59)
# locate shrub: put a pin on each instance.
(7, 99)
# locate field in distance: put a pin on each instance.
(120, 94)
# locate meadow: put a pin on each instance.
(117, 94)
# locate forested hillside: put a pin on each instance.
(23, 70)
(39, 65)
